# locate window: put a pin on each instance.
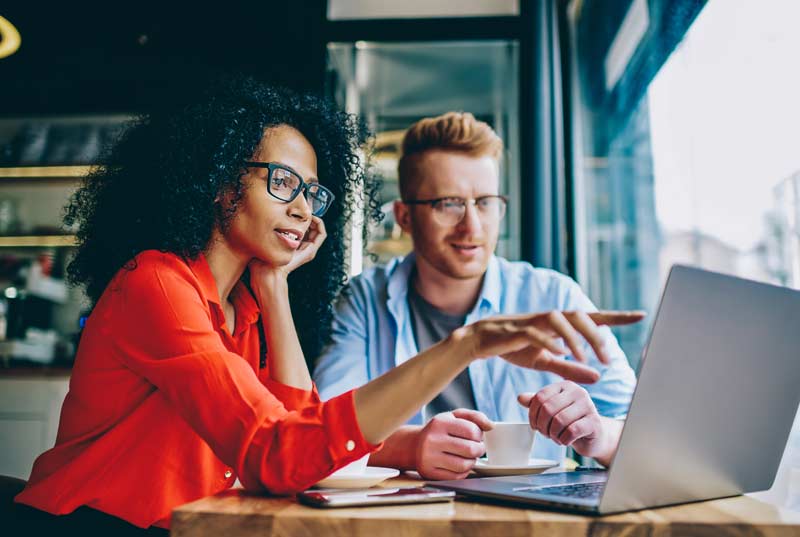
(684, 124)
(685, 146)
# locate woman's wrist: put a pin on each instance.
(270, 286)
(461, 342)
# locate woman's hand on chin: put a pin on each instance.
(309, 246)
(264, 274)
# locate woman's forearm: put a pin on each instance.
(399, 449)
(285, 358)
(390, 400)
(530, 340)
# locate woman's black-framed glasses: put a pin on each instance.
(285, 184)
(451, 210)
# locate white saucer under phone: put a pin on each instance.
(372, 476)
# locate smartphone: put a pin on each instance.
(385, 496)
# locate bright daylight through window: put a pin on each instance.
(685, 122)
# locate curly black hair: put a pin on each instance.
(155, 188)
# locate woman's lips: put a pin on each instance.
(291, 238)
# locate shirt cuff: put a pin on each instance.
(291, 397)
(346, 441)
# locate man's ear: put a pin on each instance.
(402, 215)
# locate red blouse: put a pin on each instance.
(166, 406)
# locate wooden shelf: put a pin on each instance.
(393, 247)
(44, 172)
(37, 241)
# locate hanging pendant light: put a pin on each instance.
(9, 38)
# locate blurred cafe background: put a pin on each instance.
(638, 133)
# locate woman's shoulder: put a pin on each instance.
(150, 266)
(159, 259)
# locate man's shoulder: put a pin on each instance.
(524, 287)
(515, 273)
(376, 276)
(372, 284)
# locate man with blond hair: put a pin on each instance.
(452, 208)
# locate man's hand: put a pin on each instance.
(449, 444)
(530, 340)
(535, 340)
(566, 414)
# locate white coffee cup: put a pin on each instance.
(357, 467)
(509, 444)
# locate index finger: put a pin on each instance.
(588, 329)
(316, 231)
(574, 371)
(466, 429)
(617, 318)
(478, 418)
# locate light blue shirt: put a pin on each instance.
(372, 333)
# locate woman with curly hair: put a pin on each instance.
(195, 237)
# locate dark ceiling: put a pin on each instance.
(87, 57)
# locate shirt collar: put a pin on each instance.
(400, 274)
(491, 289)
(202, 271)
(244, 302)
(247, 310)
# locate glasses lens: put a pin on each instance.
(283, 184)
(319, 199)
(491, 207)
(450, 211)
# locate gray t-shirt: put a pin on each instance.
(430, 326)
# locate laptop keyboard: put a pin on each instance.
(577, 490)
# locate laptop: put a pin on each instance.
(718, 389)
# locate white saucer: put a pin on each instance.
(534, 466)
(371, 477)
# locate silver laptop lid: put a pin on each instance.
(718, 389)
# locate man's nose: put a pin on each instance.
(471, 220)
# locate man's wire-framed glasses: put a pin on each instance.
(451, 210)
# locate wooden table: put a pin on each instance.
(236, 513)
